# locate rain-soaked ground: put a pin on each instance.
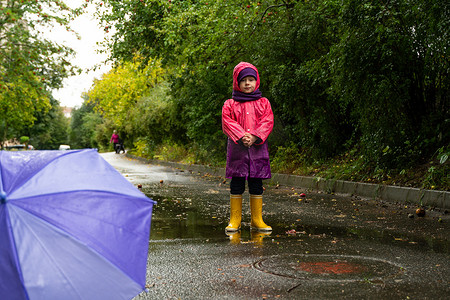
(322, 246)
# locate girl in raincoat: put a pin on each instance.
(247, 120)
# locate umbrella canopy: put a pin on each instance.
(71, 227)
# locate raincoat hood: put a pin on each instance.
(239, 67)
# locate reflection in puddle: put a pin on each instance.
(256, 238)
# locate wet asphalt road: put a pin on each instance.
(322, 247)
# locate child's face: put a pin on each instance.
(247, 84)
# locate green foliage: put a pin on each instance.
(142, 149)
(360, 89)
(49, 129)
(133, 100)
(382, 72)
(24, 139)
(288, 159)
(151, 116)
(83, 127)
(30, 65)
(174, 152)
(438, 173)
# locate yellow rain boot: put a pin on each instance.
(256, 209)
(235, 213)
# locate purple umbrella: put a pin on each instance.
(71, 227)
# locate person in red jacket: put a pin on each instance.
(247, 120)
(114, 139)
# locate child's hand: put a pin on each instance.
(248, 139)
(245, 140)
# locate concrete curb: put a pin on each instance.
(389, 193)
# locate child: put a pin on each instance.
(247, 120)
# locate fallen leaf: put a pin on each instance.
(401, 239)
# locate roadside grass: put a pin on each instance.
(433, 175)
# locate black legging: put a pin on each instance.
(237, 186)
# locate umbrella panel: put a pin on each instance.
(116, 226)
(50, 261)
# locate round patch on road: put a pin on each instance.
(329, 267)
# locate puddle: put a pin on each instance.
(179, 218)
(330, 267)
(191, 207)
(201, 211)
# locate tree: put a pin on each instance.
(30, 65)
(122, 97)
(391, 69)
(118, 91)
(83, 126)
(50, 128)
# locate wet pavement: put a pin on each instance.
(323, 246)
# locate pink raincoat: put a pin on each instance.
(255, 117)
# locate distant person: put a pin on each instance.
(247, 120)
(114, 139)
